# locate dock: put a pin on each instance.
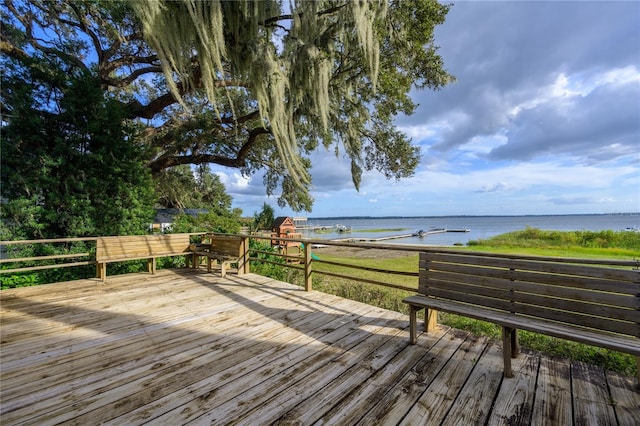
(395, 237)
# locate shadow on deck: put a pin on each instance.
(185, 346)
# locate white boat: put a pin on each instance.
(343, 228)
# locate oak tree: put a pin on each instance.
(253, 85)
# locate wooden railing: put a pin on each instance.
(11, 264)
(7, 247)
(305, 262)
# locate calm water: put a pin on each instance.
(480, 226)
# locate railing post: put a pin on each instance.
(308, 272)
(244, 261)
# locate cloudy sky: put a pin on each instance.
(544, 119)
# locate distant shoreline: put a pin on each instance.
(470, 216)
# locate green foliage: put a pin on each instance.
(282, 80)
(607, 243)
(24, 279)
(264, 219)
(228, 223)
(181, 187)
(70, 168)
(275, 269)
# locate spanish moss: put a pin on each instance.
(208, 44)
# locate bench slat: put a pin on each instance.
(226, 249)
(600, 317)
(610, 318)
(601, 339)
(141, 246)
(585, 282)
(532, 265)
(499, 285)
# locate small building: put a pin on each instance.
(284, 227)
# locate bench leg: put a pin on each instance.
(223, 268)
(638, 372)
(101, 271)
(413, 324)
(151, 265)
(507, 339)
(515, 344)
(430, 319)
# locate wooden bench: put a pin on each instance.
(587, 301)
(225, 249)
(134, 247)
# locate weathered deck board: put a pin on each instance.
(189, 347)
(514, 402)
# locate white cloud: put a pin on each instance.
(544, 118)
(234, 182)
(499, 186)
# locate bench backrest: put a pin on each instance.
(140, 246)
(577, 293)
(227, 245)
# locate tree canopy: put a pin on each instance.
(253, 85)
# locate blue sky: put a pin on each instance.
(544, 119)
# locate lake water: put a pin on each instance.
(479, 227)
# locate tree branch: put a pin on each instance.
(168, 161)
(138, 110)
(28, 25)
(125, 81)
(82, 24)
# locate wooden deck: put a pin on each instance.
(189, 347)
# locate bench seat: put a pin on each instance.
(223, 249)
(587, 301)
(513, 322)
(136, 247)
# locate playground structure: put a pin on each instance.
(282, 233)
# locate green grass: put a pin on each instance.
(585, 244)
(580, 244)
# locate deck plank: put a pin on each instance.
(514, 403)
(473, 403)
(590, 396)
(625, 398)
(196, 397)
(186, 346)
(553, 404)
(265, 400)
(403, 371)
(439, 397)
(155, 379)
